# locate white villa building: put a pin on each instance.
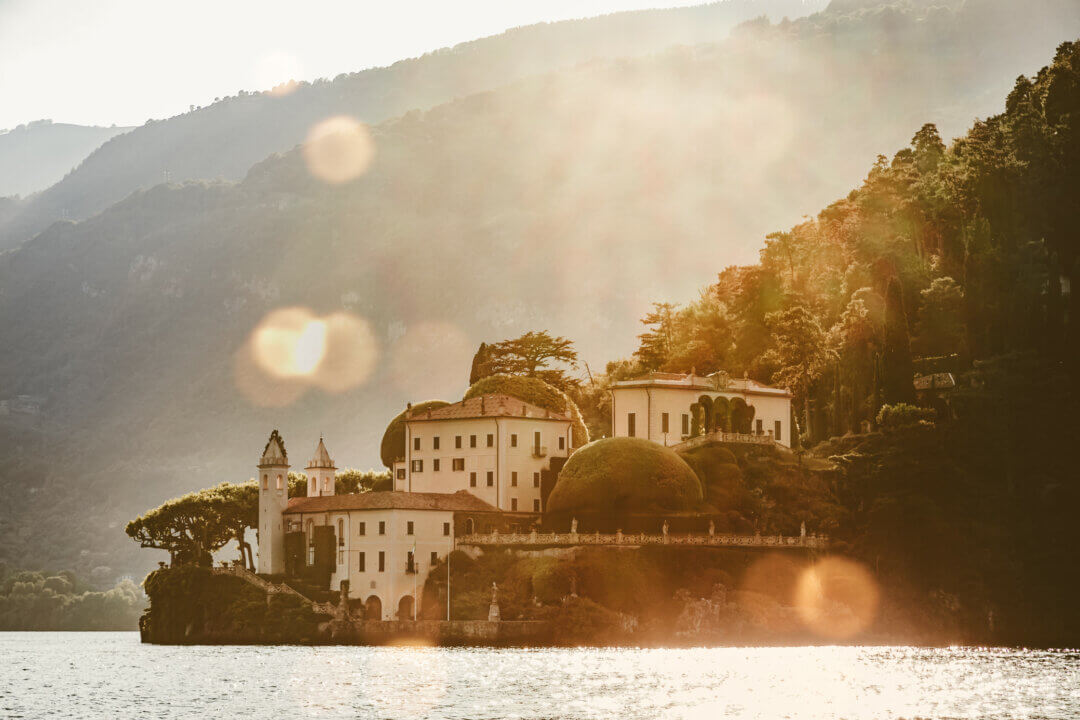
(657, 406)
(496, 447)
(468, 467)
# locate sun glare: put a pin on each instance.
(292, 349)
(836, 598)
(338, 149)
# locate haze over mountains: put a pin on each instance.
(36, 155)
(223, 140)
(564, 201)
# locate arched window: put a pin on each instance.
(266, 482)
(279, 482)
(470, 526)
(326, 483)
(341, 531)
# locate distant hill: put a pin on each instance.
(223, 140)
(38, 154)
(565, 201)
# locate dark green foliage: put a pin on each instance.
(742, 416)
(720, 477)
(40, 601)
(392, 446)
(624, 475)
(536, 392)
(191, 605)
(901, 414)
(481, 364)
(898, 372)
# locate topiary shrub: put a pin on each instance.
(623, 475)
(901, 414)
(536, 392)
(393, 440)
(720, 476)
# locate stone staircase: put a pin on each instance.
(270, 588)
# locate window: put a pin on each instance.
(360, 562)
(341, 555)
(758, 427)
(513, 504)
(458, 464)
(490, 478)
(382, 527)
(435, 465)
(536, 506)
(435, 443)
(472, 479)
(631, 425)
(279, 484)
(513, 439)
(434, 558)
(776, 432)
(664, 422)
(418, 466)
(513, 479)
(685, 424)
(409, 528)
(410, 564)
(416, 443)
(401, 474)
(266, 482)
(562, 443)
(312, 490)
(446, 528)
(536, 443)
(382, 561)
(361, 528)
(490, 440)
(457, 442)
(536, 479)
(340, 531)
(472, 441)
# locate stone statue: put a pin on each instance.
(664, 528)
(573, 526)
(712, 528)
(493, 609)
(802, 530)
(494, 593)
(573, 586)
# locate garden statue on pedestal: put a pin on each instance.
(493, 609)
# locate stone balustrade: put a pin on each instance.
(635, 539)
(729, 437)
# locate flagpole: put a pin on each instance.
(450, 552)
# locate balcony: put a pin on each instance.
(539, 451)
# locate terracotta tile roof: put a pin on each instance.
(460, 501)
(489, 406)
(321, 458)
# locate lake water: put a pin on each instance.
(112, 675)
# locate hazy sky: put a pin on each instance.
(123, 61)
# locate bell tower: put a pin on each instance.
(321, 472)
(273, 499)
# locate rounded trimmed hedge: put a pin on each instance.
(393, 440)
(537, 392)
(625, 475)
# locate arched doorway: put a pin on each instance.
(470, 526)
(373, 608)
(707, 421)
(405, 608)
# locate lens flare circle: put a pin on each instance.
(836, 598)
(338, 149)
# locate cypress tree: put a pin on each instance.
(897, 369)
(481, 364)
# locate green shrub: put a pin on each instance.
(536, 392)
(901, 414)
(551, 581)
(581, 621)
(393, 440)
(625, 474)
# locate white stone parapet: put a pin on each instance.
(635, 539)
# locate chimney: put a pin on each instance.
(408, 410)
(483, 410)
(523, 413)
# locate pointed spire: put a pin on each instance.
(321, 458)
(274, 453)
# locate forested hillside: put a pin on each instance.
(226, 138)
(564, 202)
(36, 155)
